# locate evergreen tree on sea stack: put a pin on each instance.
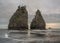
(19, 20)
(38, 22)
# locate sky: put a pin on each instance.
(8, 7)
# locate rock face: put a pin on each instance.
(19, 20)
(38, 22)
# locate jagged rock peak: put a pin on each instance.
(19, 20)
(38, 22)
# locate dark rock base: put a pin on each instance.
(17, 28)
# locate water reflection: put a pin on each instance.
(29, 33)
(34, 36)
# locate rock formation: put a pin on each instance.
(38, 22)
(19, 20)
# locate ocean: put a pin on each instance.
(34, 36)
(30, 36)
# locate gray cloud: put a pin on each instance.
(8, 7)
(46, 6)
(50, 7)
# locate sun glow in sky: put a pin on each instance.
(53, 25)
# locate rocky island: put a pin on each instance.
(19, 20)
(38, 22)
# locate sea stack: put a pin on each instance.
(38, 22)
(19, 20)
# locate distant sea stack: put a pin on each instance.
(38, 22)
(19, 20)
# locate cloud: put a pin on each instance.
(46, 6)
(8, 7)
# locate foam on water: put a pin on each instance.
(32, 36)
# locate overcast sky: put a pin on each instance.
(8, 7)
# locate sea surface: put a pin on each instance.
(30, 36)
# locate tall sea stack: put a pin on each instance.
(38, 22)
(19, 20)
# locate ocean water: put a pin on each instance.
(30, 36)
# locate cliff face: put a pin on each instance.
(38, 22)
(19, 20)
